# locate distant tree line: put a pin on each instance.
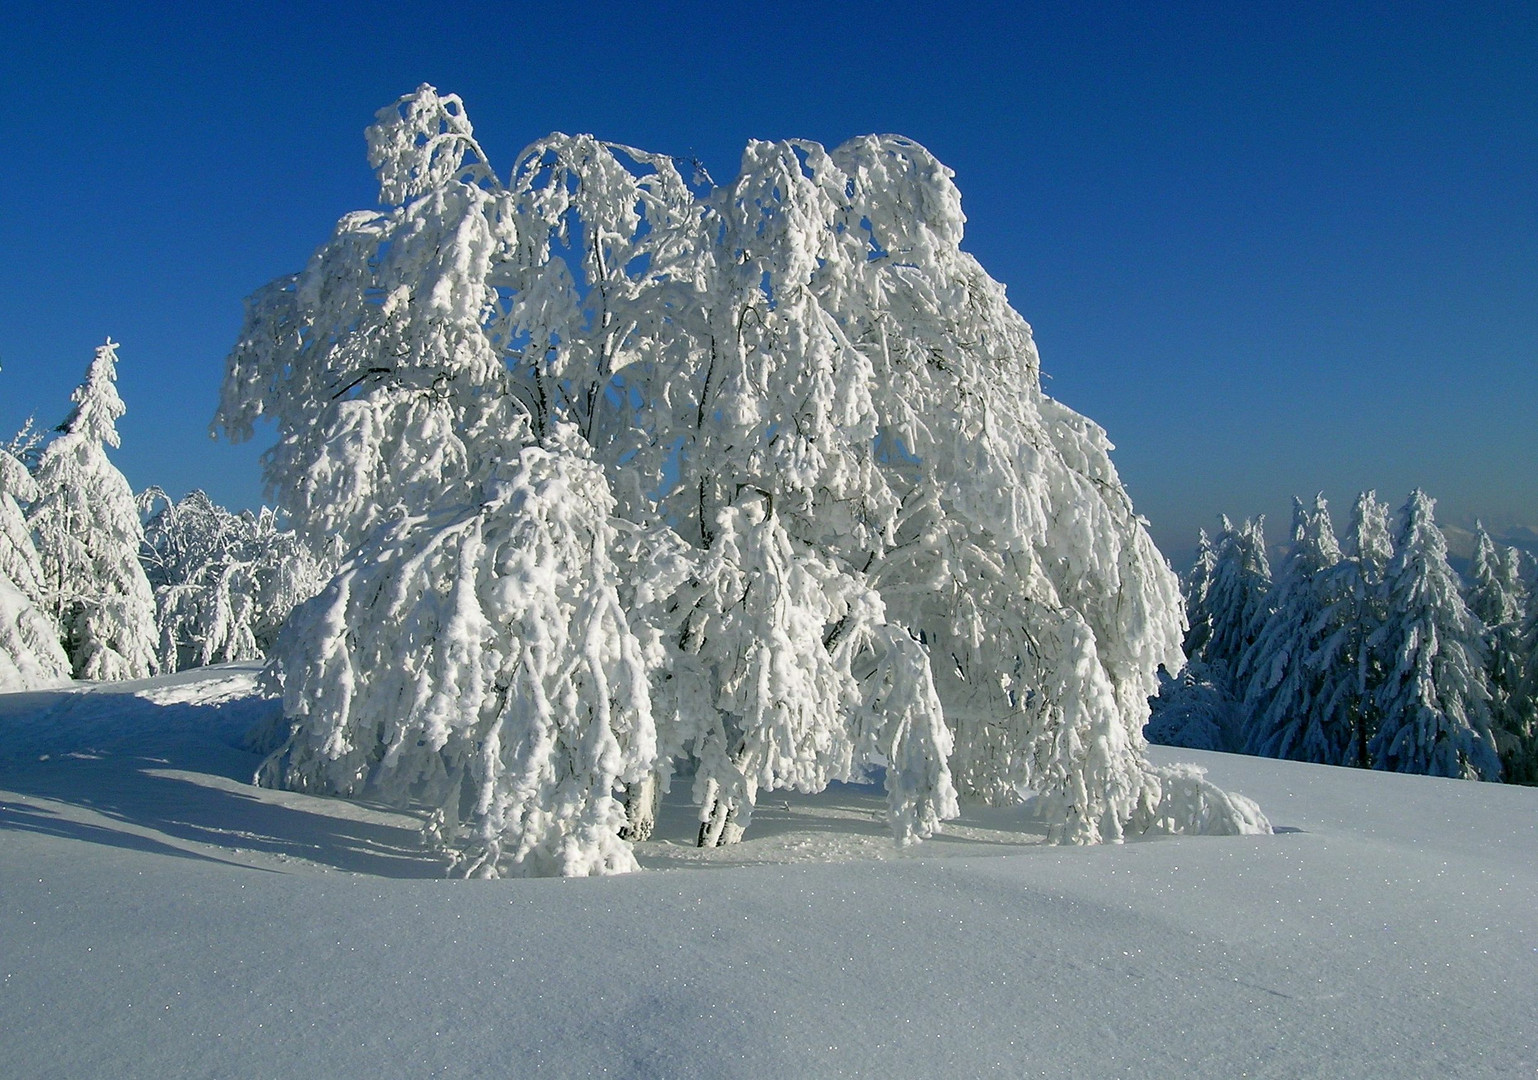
(97, 583)
(1372, 653)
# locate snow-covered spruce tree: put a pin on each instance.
(1496, 599)
(801, 379)
(86, 525)
(1196, 586)
(1434, 703)
(1236, 603)
(1196, 707)
(223, 583)
(1193, 711)
(30, 652)
(1525, 698)
(1284, 670)
(1350, 669)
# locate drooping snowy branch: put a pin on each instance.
(479, 658)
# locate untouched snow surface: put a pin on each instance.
(159, 917)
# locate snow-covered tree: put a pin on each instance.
(224, 583)
(1524, 699)
(1193, 710)
(1350, 669)
(30, 653)
(1234, 603)
(86, 525)
(1496, 597)
(1196, 707)
(1434, 703)
(887, 545)
(1283, 669)
(1196, 587)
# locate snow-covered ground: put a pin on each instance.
(159, 917)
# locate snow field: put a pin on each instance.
(158, 917)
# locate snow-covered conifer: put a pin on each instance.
(1282, 669)
(1196, 587)
(1434, 703)
(1496, 598)
(1524, 700)
(1192, 710)
(1350, 670)
(86, 524)
(1236, 604)
(30, 653)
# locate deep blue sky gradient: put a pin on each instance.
(1273, 249)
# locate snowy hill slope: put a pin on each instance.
(160, 917)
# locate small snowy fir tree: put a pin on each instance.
(224, 583)
(1235, 602)
(1525, 697)
(86, 524)
(1434, 702)
(1196, 587)
(1496, 596)
(1350, 670)
(30, 653)
(1196, 708)
(1284, 688)
(861, 537)
(1192, 710)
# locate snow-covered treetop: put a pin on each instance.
(97, 405)
(1369, 541)
(1496, 593)
(1236, 596)
(423, 142)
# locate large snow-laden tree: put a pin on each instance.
(31, 655)
(1434, 703)
(86, 525)
(868, 376)
(800, 376)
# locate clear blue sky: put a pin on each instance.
(1273, 249)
